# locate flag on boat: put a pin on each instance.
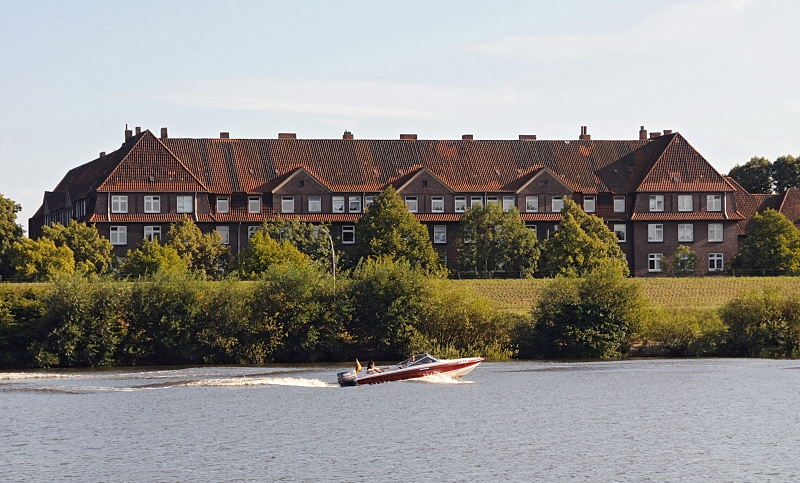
(358, 366)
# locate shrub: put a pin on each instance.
(762, 325)
(683, 332)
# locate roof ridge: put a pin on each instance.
(179, 160)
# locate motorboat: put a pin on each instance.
(416, 366)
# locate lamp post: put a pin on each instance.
(333, 258)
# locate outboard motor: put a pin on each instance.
(347, 378)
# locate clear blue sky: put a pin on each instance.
(72, 74)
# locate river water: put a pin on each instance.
(654, 420)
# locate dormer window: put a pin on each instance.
(355, 204)
(119, 204)
(685, 203)
(254, 204)
(314, 203)
(656, 202)
(223, 204)
(557, 204)
(619, 204)
(411, 203)
(437, 204)
(152, 204)
(185, 204)
(589, 204)
(532, 204)
(287, 204)
(338, 204)
(508, 202)
(714, 202)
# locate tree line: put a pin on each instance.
(760, 175)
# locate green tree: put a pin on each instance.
(203, 254)
(590, 317)
(263, 251)
(755, 176)
(93, 253)
(772, 246)
(309, 238)
(581, 243)
(10, 232)
(786, 173)
(388, 229)
(151, 258)
(684, 261)
(491, 239)
(40, 259)
(762, 325)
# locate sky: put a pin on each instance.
(724, 73)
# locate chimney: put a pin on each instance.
(527, 137)
(467, 137)
(584, 134)
(642, 134)
(224, 135)
(655, 134)
(128, 134)
(347, 135)
(164, 133)
(408, 137)
(102, 153)
(138, 130)
(667, 131)
(287, 135)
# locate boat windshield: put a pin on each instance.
(423, 358)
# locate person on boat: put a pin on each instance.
(371, 369)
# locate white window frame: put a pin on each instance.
(152, 231)
(437, 204)
(713, 202)
(461, 204)
(656, 202)
(532, 204)
(655, 233)
(716, 262)
(152, 204)
(314, 204)
(254, 204)
(184, 204)
(654, 262)
(354, 204)
(119, 204)
(621, 230)
(685, 203)
(557, 204)
(685, 232)
(475, 200)
(368, 200)
(716, 232)
(509, 202)
(287, 204)
(337, 204)
(492, 199)
(531, 226)
(223, 204)
(118, 235)
(439, 234)
(348, 234)
(251, 230)
(589, 204)
(412, 203)
(225, 234)
(619, 204)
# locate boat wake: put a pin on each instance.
(262, 381)
(440, 379)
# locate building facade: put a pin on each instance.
(656, 192)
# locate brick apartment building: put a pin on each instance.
(656, 192)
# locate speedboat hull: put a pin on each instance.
(451, 367)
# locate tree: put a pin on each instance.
(581, 243)
(10, 231)
(40, 259)
(388, 229)
(492, 239)
(309, 238)
(263, 251)
(151, 258)
(762, 325)
(786, 173)
(772, 246)
(755, 176)
(93, 253)
(684, 261)
(203, 253)
(590, 317)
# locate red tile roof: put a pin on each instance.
(690, 215)
(680, 167)
(748, 204)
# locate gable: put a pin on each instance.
(421, 181)
(681, 168)
(300, 180)
(545, 181)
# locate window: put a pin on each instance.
(118, 235)
(368, 201)
(437, 204)
(715, 262)
(655, 233)
(588, 204)
(348, 234)
(287, 204)
(254, 204)
(715, 232)
(439, 234)
(656, 202)
(225, 234)
(119, 204)
(491, 199)
(315, 203)
(686, 233)
(251, 230)
(531, 204)
(475, 201)
(685, 203)
(338, 204)
(152, 204)
(461, 204)
(508, 202)
(654, 262)
(556, 228)
(185, 204)
(355, 204)
(223, 204)
(557, 204)
(622, 232)
(531, 226)
(714, 202)
(619, 204)
(151, 232)
(411, 203)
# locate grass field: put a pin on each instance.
(706, 293)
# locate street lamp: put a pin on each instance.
(333, 256)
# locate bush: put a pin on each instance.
(683, 332)
(762, 325)
(21, 307)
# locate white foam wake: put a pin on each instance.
(262, 381)
(17, 376)
(441, 379)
